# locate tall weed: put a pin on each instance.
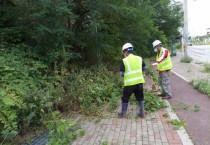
(152, 102)
(186, 59)
(203, 85)
(27, 91)
(93, 86)
(206, 68)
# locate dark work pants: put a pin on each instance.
(129, 90)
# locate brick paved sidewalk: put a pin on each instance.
(153, 130)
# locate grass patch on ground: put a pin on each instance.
(176, 123)
(181, 105)
(203, 85)
(186, 59)
(196, 108)
(206, 67)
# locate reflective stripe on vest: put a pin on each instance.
(133, 70)
(166, 64)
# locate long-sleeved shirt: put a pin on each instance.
(163, 56)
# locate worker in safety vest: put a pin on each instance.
(131, 68)
(164, 65)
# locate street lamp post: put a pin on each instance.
(185, 31)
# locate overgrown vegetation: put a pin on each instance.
(165, 115)
(151, 72)
(86, 90)
(97, 85)
(104, 142)
(186, 59)
(176, 123)
(203, 85)
(181, 105)
(206, 68)
(48, 52)
(153, 102)
(196, 108)
(61, 131)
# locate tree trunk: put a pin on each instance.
(4, 3)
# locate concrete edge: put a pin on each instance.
(180, 76)
(181, 132)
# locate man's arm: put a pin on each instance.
(122, 69)
(144, 66)
(163, 56)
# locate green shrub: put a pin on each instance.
(178, 46)
(196, 108)
(94, 86)
(176, 123)
(27, 93)
(30, 90)
(186, 59)
(150, 71)
(62, 131)
(17, 80)
(207, 67)
(153, 102)
(203, 85)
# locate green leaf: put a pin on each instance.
(9, 134)
(8, 101)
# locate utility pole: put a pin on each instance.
(185, 31)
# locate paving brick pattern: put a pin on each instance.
(153, 130)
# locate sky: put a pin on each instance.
(198, 16)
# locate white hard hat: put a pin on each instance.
(155, 43)
(126, 46)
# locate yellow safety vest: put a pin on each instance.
(133, 70)
(166, 64)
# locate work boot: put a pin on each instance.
(122, 114)
(166, 97)
(141, 109)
